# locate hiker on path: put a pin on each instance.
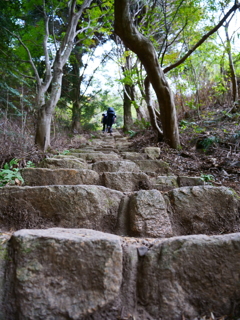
(104, 122)
(111, 117)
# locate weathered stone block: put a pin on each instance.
(44, 177)
(115, 166)
(204, 209)
(65, 273)
(190, 277)
(152, 152)
(4, 258)
(133, 156)
(102, 157)
(157, 166)
(189, 181)
(63, 162)
(80, 206)
(148, 215)
(126, 181)
(165, 183)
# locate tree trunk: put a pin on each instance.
(231, 66)
(42, 137)
(76, 114)
(144, 49)
(128, 94)
(151, 110)
(127, 103)
(43, 131)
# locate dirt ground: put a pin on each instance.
(210, 145)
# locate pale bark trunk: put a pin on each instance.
(127, 104)
(231, 66)
(42, 138)
(128, 97)
(136, 42)
(76, 115)
(76, 95)
(43, 131)
(151, 110)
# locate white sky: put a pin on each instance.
(109, 71)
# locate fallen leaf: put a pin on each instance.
(18, 182)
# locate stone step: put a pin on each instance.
(115, 166)
(83, 274)
(83, 150)
(107, 149)
(73, 206)
(97, 156)
(159, 266)
(126, 181)
(70, 162)
(204, 209)
(191, 210)
(156, 166)
(65, 273)
(44, 177)
(133, 156)
(166, 183)
(152, 153)
(123, 145)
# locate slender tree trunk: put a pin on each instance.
(144, 49)
(43, 131)
(76, 115)
(231, 66)
(127, 104)
(151, 111)
(128, 95)
(77, 79)
(42, 137)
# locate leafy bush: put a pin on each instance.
(142, 124)
(207, 177)
(10, 173)
(132, 133)
(206, 143)
(64, 152)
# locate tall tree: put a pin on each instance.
(54, 76)
(128, 92)
(144, 49)
(231, 63)
(49, 82)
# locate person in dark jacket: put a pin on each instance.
(111, 117)
(104, 122)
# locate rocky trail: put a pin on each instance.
(108, 233)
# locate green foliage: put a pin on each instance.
(30, 164)
(184, 124)
(9, 173)
(64, 152)
(142, 124)
(207, 177)
(91, 126)
(132, 133)
(206, 143)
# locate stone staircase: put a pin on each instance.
(107, 233)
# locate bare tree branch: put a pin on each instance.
(39, 81)
(204, 38)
